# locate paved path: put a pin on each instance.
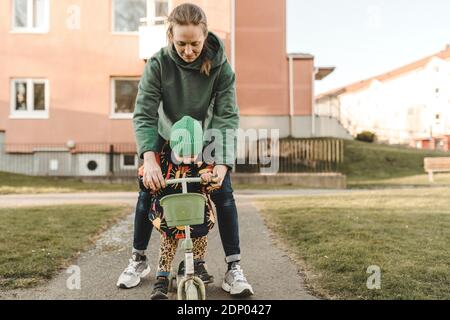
(269, 269)
(21, 200)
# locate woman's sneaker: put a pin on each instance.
(235, 282)
(160, 289)
(136, 270)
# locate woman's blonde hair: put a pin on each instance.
(190, 14)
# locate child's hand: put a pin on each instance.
(207, 178)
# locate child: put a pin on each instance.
(185, 152)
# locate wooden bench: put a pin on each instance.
(433, 165)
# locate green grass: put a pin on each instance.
(336, 238)
(421, 180)
(18, 183)
(368, 164)
(36, 242)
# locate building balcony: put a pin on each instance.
(152, 37)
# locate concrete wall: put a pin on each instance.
(16, 163)
(51, 163)
(324, 126)
(60, 162)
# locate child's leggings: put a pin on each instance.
(168, 249)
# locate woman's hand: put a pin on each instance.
(219, 171)
(152, 177)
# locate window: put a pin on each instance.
(30, 15)
(127, 14)
(159, 9)
(124, 92)
(29, 98)
(128, 161)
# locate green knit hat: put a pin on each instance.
(186, 137)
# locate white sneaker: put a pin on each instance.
(136, 270)
(235, 282)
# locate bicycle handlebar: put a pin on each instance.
(186, 180)
(181, 180)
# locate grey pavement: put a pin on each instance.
(267, 266)
(24, 200)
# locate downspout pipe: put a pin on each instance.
(233, 42)
(233, 34)
(291, 96)
(313, 102)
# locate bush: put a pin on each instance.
(366, 136)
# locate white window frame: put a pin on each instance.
(29, 28)
(113, 114)
(29, 113)
(126, 167)
(150, 13)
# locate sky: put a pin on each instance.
(364, 38)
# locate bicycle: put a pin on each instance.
(185, 209)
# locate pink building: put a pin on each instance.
(70, 70)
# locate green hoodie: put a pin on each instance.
(171, 88)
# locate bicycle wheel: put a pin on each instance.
(192, 289)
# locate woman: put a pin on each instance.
(192, 77)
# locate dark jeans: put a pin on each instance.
(227, 218)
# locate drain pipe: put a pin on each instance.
(291, 96)
(233, 47)
(233, 34)
(313, 101)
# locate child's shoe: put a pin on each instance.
(160, 289)
(201, 272)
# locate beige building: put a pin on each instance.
(69, 71)
(408, 105)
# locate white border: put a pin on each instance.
(28, 28)
(29, 114)
(122, 33)
(122, 161)
(233, 35)
(112, 113)
(132, 33)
